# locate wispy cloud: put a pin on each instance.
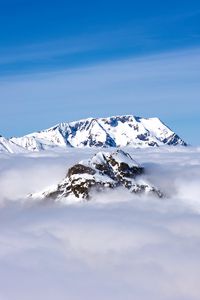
(135, 37)
(42, 51)
(164, 85)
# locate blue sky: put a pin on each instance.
(65, 60)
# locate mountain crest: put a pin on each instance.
(115, 131)
(104, 170)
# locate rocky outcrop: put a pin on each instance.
(104, 170)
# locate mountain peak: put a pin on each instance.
(105, 170)
(114, 131)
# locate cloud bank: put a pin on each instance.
(118, 246)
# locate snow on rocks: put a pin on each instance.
(117, 131)
(104, 170)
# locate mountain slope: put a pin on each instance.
(118, 131)
(7, 146)
(104, 171)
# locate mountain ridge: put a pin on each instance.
(114, 131)
(7, 146)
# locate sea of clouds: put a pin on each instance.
(117, 246)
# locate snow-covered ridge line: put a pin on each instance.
(116, 131)
(8, 146)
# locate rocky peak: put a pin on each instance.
(104, 170)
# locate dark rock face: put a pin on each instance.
(103, 171)
(80, 169)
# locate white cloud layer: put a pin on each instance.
(117, 247)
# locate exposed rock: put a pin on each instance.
(103, 171)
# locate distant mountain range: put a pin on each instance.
(116, 131)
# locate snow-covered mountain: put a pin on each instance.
(117, 131)
(7, 146)
(104, 170)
